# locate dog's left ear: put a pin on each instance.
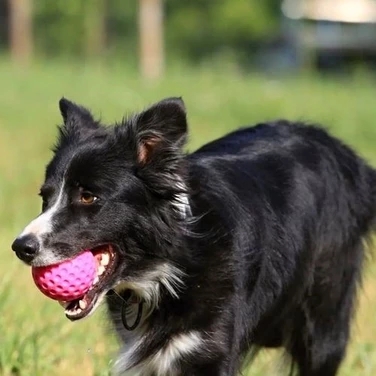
(76, 118)
(161, 127)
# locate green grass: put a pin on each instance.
(35, 337)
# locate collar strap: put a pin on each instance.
(124, 314)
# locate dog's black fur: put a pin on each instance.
(260, 235)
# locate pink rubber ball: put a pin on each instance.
(69, 280)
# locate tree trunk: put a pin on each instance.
(20, 30)
(95, 28)
(151, 38)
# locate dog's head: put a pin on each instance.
(117, 191)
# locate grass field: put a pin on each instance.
(35, 337)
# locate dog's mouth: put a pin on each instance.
(106, 258)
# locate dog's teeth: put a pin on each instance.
(73, 311)
(82, 303)
(64, 304)
(105, 259)
(101, 270)
(96, 280)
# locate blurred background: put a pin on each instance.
(235, 62)
(281, 36)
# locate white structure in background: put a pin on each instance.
(353, 11)
(345, 27)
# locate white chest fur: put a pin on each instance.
(162, 363)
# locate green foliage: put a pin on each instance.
(195, 29)
(65, 27)
(58, 26)
(122, 28)
(203, 27)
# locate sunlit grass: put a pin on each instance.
(35, 337)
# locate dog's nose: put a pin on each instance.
(26, 247)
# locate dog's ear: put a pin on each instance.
(76, 118)
(161, 127)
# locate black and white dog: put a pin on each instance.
(255, 240)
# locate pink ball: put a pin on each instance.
(68, 280)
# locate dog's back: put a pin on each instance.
(297, 207)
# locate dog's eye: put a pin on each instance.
(87, 198)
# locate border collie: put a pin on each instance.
(257, 239)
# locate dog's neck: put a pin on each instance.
(165, 282)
